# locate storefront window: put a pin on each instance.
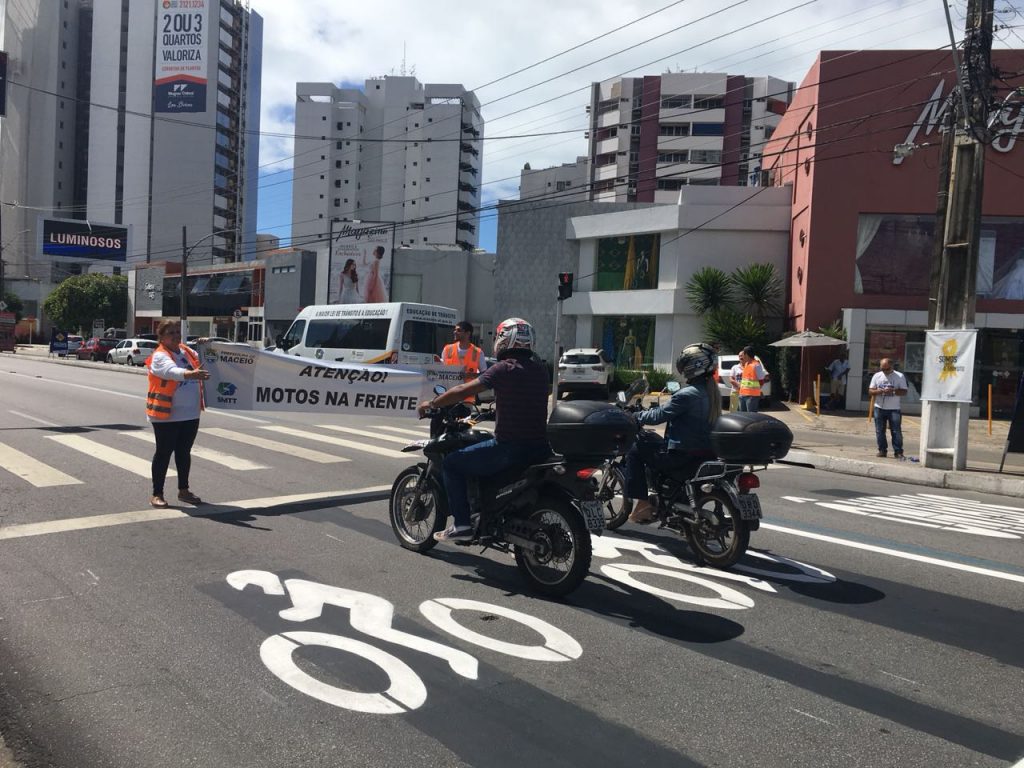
(626, 341)
(627, 263)
(905, 348)
(895, 255)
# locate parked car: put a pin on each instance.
(725, 366)
(96, 349)
(585, 370)
(74, 342)
(131, 351)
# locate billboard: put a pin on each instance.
(180, 73)
(359, 263)
(84, 240)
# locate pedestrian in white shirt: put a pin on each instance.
(888, 385)
(838, 370)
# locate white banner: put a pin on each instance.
(949, 366)
(246, 379)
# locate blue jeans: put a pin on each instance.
(750, 403)
(483, 460)
(894, 419)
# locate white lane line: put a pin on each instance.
(366, 433)
(808, 714)
(904, 679)
(273, 445)
(224, 459)
(151, 515)
(415, 432)
(44, 422)
(896, 553)
(120, 459)
(374, 449)
(32, 470)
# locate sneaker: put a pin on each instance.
(455, 533)
(881, 454)
(898, 454)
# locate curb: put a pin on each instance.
(916, 475)
(76, 363)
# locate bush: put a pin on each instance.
(626, 376)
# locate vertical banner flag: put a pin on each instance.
(360, 260)
(243, 378)
(949, 366)
(180, 75)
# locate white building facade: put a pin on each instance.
(394, 151)
(563, 183)
(651, 136)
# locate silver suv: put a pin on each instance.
(585, 369)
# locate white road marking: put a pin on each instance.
(32, 470)
(44, 422)
(798, 499)
(121, 459)
(366, 433)
(403, 431)
(341, 442)
(151, 515)
(904, 679)
(808, 714)
(224, 459)
(273, 445)
(896, 553)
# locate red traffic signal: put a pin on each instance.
(564, 285)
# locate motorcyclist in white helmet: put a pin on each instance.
(521, 386)
(690, 414)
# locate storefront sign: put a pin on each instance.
(85, 240)
(949, 366)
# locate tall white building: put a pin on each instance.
(394, 151)
(135, 117)
(651, 136)
(565, 183)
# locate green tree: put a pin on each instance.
(79, 300)
(758, 289)
(709, 289)
(737, 309)
(14, 304)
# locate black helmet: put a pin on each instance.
(696, 360)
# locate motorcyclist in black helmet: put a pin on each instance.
(690, 414)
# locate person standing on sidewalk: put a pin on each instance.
(751, 378)
(888, 385)
(838, 370)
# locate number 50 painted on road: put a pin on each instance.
(373, 616)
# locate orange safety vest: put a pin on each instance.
(160, 394)
(750, 385)
(450, 356)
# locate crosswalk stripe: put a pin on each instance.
(224, 459)
(368, 433)
(375, 449)
(272, 445)
(402, 430)
(32, 470)
(120, 459)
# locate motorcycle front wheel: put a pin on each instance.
(720, 537)
(416, 520)
(612, 494)
(560, 559)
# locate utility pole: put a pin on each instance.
(944, 425)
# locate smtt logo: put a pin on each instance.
(210, 355)
(226, 388)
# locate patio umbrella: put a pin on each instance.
(808, 339)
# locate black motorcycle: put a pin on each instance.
(543, 513)
(712, 502)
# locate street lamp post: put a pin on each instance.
(186, 251)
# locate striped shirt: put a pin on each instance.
(520, 399)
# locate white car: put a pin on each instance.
(585, 369)
(74, 342)
(131, 351)
(725, 366)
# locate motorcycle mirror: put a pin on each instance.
(620, 398)
(439, 389)
(672, 386)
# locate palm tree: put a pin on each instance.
(758, 289)
(708, 290)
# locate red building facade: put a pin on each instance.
(863, 219)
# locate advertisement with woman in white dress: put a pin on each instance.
(360, 264)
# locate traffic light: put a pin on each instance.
(564, 285)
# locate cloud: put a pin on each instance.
(450, 41)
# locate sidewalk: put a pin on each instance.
(836, 441)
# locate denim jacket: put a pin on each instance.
(687, 416)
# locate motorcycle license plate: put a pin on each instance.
(593, 513)
(750, 506)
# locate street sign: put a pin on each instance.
(3, 305)
(98, 326)
(237, 313)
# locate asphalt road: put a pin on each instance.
(872, 624)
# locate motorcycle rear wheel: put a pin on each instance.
(612, 495)
(416, 521)
(721, 537)
(563, 561)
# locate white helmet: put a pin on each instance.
(514, 333)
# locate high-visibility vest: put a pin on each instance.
(750, 385)
(160, 394)
(450, 356)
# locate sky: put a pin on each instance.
(531, 62)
